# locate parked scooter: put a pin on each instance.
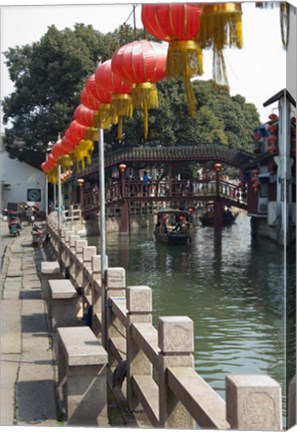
(14, 224)
(36, 234)
(14, 228)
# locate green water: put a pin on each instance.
(233, 288)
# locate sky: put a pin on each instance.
(257, 72)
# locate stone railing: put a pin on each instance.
(161, 380)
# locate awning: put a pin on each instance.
(268, 177)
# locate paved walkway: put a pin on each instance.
(27, 369)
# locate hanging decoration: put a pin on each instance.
(89, 101)
(221, 27)
(142, 63)
(178, 24)
(284, 18)
(85, 116)
(104, 98)
(121, 100)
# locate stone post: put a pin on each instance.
(79, 245)
(88, 253)
(65, 255)
(292, 403)
(49, 270)
(139, 305)
(176, 343)
(72, 247)
(97, 294)
(115, 287)
(253, 402)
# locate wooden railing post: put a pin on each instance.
(253, 403)
(139, 305)
(176, 343)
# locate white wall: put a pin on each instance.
(291, 54)
(21, 177)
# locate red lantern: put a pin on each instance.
(87, 100)
(120, 89)
(76, 132)
(178, 24)
(104, 97)
(273, 117)
(272, 138)
(142, 63)
(84, 115)
(57, 150)
(123, 168)
(80, 182)
(272, 149)
(218, 167)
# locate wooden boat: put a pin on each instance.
(228, 218)
(173, 226)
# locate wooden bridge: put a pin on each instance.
(125, 194)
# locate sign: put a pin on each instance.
(34, 195)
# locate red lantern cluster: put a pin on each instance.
(273, 132)
(254, 180)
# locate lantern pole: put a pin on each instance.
(48, 149)
(59, 212)
(102, 234)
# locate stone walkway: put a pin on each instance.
(27, 369)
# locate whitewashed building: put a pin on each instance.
(20, 183)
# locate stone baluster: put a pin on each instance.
(79, 245)
(72, 250)
(176, 343)
(97, 294)
(88, 253)
(139, 306)
(65, 255)
(253, 403)
(116, 288)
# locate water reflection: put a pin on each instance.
(230, 285)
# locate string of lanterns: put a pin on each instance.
(127, 81)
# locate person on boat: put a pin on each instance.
(163, 227)
(181, 225)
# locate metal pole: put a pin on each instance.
(46, 195)
(59, 212)
(102, 234)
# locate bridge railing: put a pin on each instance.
(161, 380)
(164, 188)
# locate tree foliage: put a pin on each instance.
(49, 75)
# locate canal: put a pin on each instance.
(230, 285)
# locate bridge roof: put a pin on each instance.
(215, 152)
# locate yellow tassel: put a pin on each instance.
(181, 53)
(219, 70)
(121, 105)
(145, 94)
(120, 128)
(221, 26)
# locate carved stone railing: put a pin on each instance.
(161, 380)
